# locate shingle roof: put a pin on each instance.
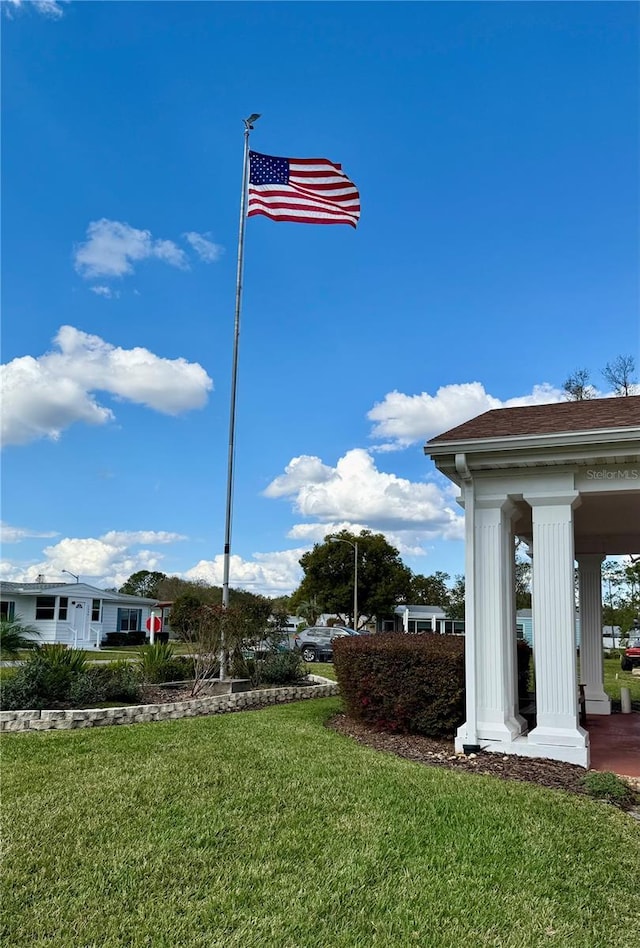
(560, 417)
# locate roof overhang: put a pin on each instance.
(598, 446)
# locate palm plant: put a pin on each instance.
(15, 637)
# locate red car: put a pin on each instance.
(631, 657)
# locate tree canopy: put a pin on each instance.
(143, 583)
(383, 579)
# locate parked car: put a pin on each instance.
(315, 644)
(631, 657)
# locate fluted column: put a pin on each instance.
(591, 659)
(554, 627)
(496, 681)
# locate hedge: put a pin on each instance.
(411, 684)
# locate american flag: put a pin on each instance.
(306, 190)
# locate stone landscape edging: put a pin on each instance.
(44, 720)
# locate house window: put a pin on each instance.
(95, 610)
(63, 605)
(129, 620)
(45, 607)
(7, 611)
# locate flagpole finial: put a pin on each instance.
(248, 122)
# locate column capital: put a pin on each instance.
(593, 560)
(503, 504)
(570, 498)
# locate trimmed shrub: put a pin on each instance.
(119, 639)
(405, 683)
(49, 682)
(87, 690)
(19, 693)
(281, 668)
(524, 660)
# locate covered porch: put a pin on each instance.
(565, 478)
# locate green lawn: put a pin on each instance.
(265, 830)
(325, 669)
(615, 678)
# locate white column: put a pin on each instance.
(591, 659)
(497, 692)
(557, 732)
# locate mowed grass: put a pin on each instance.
(615, 678)
(264, 829)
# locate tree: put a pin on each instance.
(383, 579)
(185, 615)
(456, 604)
(620, 374)
(523, 584)
(577, 387)
(309, 609)
(14, 637)
(430, 590)
(143, 583)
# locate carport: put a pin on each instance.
(565, 478)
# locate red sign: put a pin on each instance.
(157, 624)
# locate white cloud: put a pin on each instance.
(205, 248)
(43, 396)
(133, 537)
(49, 8)
(105, 291)
(356, 494)
(9, 534)
(112, 248)
(104, 561)
(268, 574)
(406, 419)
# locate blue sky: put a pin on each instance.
(495, 147)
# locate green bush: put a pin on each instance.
(405, 683)
(55, 676)
(116, 681)
(609, 787)
(158, 663)
(281, 668)
(19, 693)
(524, 660)
(87, 690)
(152, 660)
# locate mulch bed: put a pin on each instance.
(440, 753)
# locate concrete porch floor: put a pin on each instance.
(614, 741)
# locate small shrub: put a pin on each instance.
(158, 663)
(120, 639)
(59, 656)
(86, 690)
(524, 660)
(281, 668)
(609, 787)
(19, 694)
(406, 683)
(122, 682)
(152, 661)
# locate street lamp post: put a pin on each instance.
(354, 546)
(69, 573)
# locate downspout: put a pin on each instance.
(471, 745)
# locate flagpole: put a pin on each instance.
(248, 127)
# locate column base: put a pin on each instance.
(503, 731)
(521, 747)
(597, 702)
(558, 736)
